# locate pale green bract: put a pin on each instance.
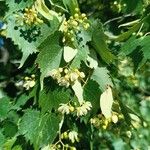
(44, 10)
(106, 101)
(69, 53)
(78, 90)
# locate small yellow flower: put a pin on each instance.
(114, 118)
(64, 108)
(83, 109)
(63, 82)
(76, 16)
(29, 82)
(55, 74)
(83, 15)
(82, 75)
(77, 9)
(73, 76)
(73, 136)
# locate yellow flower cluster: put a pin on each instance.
(30, 16)
(101, 121)
(80, 110)
(29, 82)
(74, 24)
(66, 77)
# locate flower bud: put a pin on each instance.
(71, 108)
(82, 75)
(77, 9)
(114, 118)
(76, 16)
(83, 15)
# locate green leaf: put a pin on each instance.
(136, 27)
(38, 129)
(2, 139)
(134, 45)
(125, 112)
(14, 5)
(5, 107)
(134, 6)
(50, 55)
(52, 99)
(9, 143)
(99, 43)
(71, 5)
(80, 57)
(26, 47)
(145, 110)
(17, 147)
(10, 129)
(91, 92)
(21, 101)
(47, 29)
(100, 75)
(29, 124)
(47, 130)
(119, 144)
(92, 60)
(85, 36)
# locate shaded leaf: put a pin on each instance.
(26, 47)
(52, 99)
(5, 107)
(80, 57)
(99, 43)
(39, 129)
(71, 5)
(91, 93)
(2, 139)
(50, 55)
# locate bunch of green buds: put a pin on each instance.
(100, 121)
(75, 23)
(118, 6)
(29, 82)
(29, 17)
(66, 77)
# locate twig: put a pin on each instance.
(118, 18)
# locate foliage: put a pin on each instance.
(74, 74)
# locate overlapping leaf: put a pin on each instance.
(26, 47)
(101, 76)
(14, 5)
(39, 130)
(50, 55)
(138, 44)
(99, 43)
